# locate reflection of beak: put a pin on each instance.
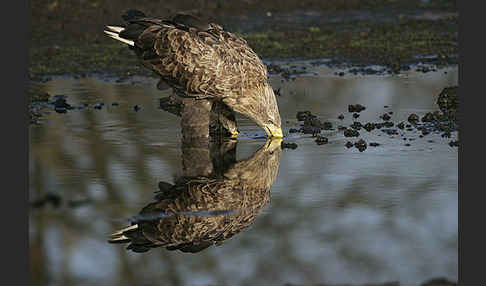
(272, 143)
(273, 131)
(234, 134)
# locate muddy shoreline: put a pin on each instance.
(68, 39)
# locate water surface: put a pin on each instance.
(335, 215)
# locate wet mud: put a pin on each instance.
(67, 37)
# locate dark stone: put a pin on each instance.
(351, 133)
(304, 115)
(401, 125)
(385, 117)
(356, 108)
(321, 140)
(355, 115)
(288, 145)
(413, 118)
(341, 117)
(326, 125)
(428, 117)
(454, 143)
(369, 126)
(374, 144)
(360, 145)
(448, 102)
(349, 144)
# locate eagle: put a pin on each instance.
(217, 198)
(203, 61)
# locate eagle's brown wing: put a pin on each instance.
(196, 61)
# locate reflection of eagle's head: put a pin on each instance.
(197, 212)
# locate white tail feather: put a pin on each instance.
(116, 37)
(115, 28)
(119, 238)
(121, 231)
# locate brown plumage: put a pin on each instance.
(199, 211)
(201, 60)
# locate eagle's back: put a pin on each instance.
(210, 62)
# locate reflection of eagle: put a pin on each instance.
(211, 203)
(201, 60)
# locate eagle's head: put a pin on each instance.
(260, 105)
(270, 119)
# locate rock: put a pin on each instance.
(428, 117)
(326, 125)
(320, 140)
(413, 118)
(385, 117)
(351, 133)
(304, 115)
(286, 145)
(349, 144)
(454, 143)
(448, 102)
(293, 130)
(341, 117)
(356, 108)
(369, 126)
(360, 145)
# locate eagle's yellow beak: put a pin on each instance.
(272, 143)
(274, 131)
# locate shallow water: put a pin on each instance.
(335, 215)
